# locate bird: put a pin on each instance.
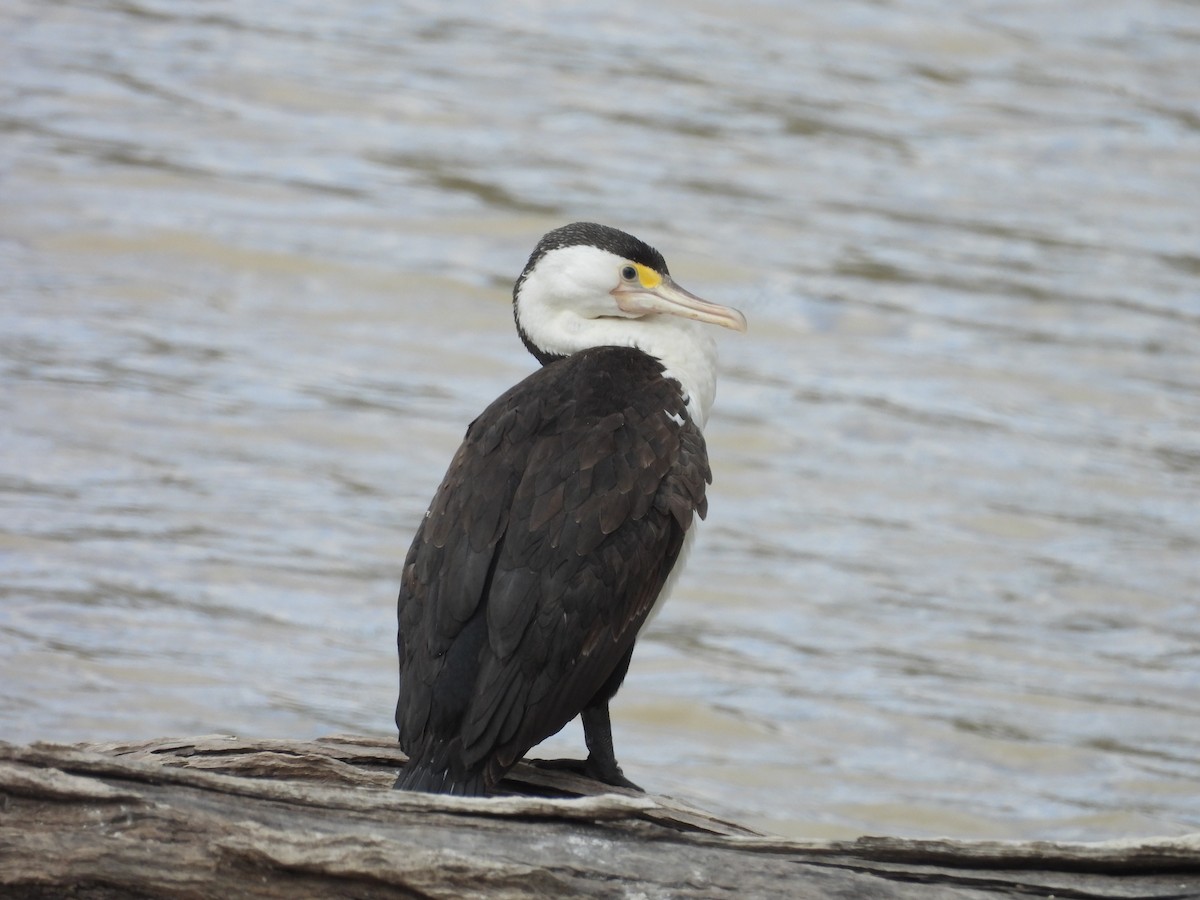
(562, 519)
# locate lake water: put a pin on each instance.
(255, 273)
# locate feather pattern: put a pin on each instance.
(541, 556)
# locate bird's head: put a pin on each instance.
(589, 285)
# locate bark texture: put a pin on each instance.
(217, 817)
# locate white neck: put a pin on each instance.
(685, 348)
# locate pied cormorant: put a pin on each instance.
(561, 518)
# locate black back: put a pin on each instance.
(541, 556)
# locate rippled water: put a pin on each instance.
(255, 261)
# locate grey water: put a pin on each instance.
(255, 273)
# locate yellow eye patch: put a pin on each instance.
(647, 277)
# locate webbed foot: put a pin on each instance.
(591, 768)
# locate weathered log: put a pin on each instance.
(223, 817)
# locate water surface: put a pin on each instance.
(255, 262)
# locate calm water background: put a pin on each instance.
(255, 263)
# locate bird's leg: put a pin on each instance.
(602, 761)
(601, 764)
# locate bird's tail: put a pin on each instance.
(418, 775)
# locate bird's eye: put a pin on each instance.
(629, 273)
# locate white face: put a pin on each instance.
(581, 296)
(578, 280)
(587, 283)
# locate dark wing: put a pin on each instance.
(542, 554)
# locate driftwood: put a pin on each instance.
(223, 817)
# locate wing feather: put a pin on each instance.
(542, 554)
